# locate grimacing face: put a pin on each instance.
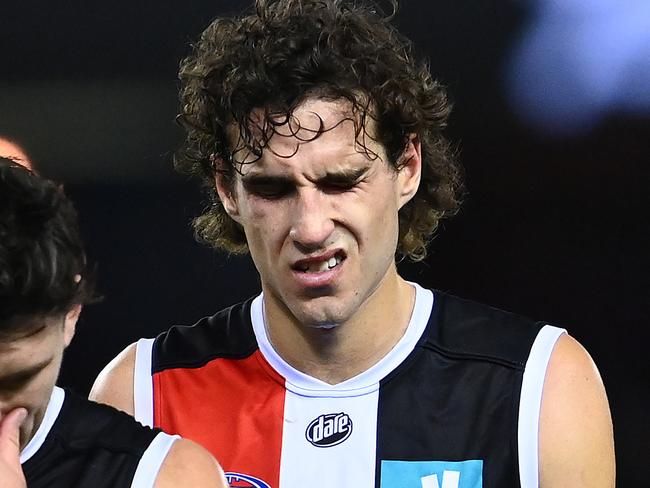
(30, 361)
(320, 215)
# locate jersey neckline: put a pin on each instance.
(51, 414)
(361, 384)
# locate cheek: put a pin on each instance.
(33, 397)
(35, 394)
(264, 223)
(369, 215)
(256, 213)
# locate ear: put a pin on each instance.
(410, 170)
(225, 189)
(70, 324)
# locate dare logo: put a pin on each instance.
(329, 430)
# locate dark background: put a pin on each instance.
(554, 227)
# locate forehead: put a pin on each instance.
(318, 132)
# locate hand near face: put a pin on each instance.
(11, 472)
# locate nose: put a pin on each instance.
(311, 224)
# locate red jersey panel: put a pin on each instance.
(226, 402)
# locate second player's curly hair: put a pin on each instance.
(287, 51)
(43, 268)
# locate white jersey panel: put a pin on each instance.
(329, 434)
(329, 442)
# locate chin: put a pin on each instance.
(318, 320)
(327, 311)
(321, 317)
(325, 326)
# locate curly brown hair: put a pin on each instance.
(287, 51)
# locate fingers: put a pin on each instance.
(11, 472)
(10, 433)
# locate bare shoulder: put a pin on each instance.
(189, 465)
(576, 436)
(114, 384)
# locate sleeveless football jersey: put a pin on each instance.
(454, 404)
(82, 444)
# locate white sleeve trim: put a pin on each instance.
(143, 383)
(151, 461)
(530, 404)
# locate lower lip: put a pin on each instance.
(318, 280)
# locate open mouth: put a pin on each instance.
(320, 265)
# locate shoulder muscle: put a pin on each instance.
(189, 465)
(114, 384)
(576, 438)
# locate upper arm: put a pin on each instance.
(114, 385)
(576, 443)
(189, 465)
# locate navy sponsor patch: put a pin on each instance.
(329, 429)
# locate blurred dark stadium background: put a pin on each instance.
(555, 225)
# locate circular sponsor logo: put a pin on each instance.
(329, 429)
(239, 480)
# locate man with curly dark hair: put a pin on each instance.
(50, 437)
(319, 137)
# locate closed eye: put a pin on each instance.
(270, 188)
(337, 187)
(342, 182)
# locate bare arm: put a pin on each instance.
(576, 436)
(114, 385)
(189, 465)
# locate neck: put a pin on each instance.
(336, 354)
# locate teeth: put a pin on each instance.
(323, 265)
(318, 267)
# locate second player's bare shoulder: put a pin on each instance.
(576, 438)
(114, 385)
(189, 465)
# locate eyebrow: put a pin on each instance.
(261, 179)
(25, 374)
(342, 176)
(345, 176)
